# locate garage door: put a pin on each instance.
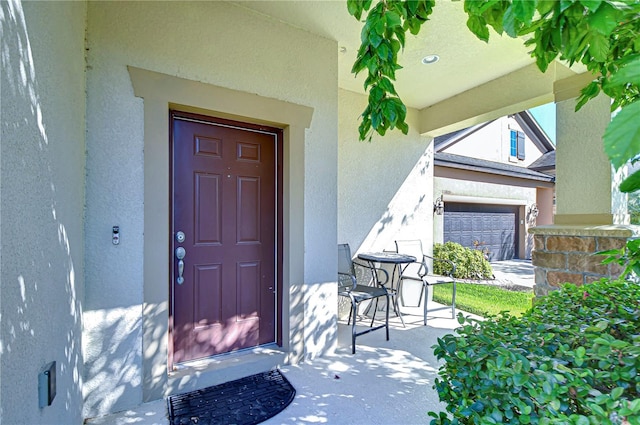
(493, 226)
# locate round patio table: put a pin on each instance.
(396, 259)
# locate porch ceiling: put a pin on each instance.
(468, 71)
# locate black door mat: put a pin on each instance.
(245, 401)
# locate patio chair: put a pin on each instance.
(419, 271)
(360, 282)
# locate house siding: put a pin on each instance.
(42, 110)
(492, 143)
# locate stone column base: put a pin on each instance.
(566, 254)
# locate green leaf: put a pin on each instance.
(387, 85)
(581, 420)
(402, 126)
(605, 20)
(592, 5)
(478, 406)
(565, 4)
(619, 344)
(599, 47)
(425, 8)
(597, 410)
(602, 325)
(520, 379)
(412, 6)
(383, 52)
(393, 19)
(629, 73)
(413, 24)
(354, 8)
(376, 119)
(622, 136)
(400, 34)
(546, 6)
(509, 23)
(523, 10)
(631, 183)
(617, 392)
(478, 26)
(588, 93)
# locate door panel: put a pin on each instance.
(208, 226)
(248, 220)
(224, 200)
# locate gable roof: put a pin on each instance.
(440, 143)
(449, 160)
(536, 133)
(524, 119)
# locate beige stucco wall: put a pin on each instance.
(223, 46)
(42, 110)
(586, 195)
(385, 189)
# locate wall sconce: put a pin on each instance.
(438, 206)
(532, 211)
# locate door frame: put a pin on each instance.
(157, 93)
(278, 133)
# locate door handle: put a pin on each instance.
(180, 253)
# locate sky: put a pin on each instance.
(546, 117)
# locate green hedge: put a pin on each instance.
(470, 263)
(573, 358)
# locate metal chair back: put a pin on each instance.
(346, 273)
(413, 247)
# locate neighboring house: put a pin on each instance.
(97, 194)
(495, 180)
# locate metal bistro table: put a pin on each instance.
(388, 257)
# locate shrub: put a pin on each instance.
(572, 359)
(470, 263)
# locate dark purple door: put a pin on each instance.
(224, 202)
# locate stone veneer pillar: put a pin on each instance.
(566, 254)
(591, 214)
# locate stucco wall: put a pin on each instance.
(482, 189)
(492, 142)
(583, 190)
(385, 187)
(215, 43)
(42, 109)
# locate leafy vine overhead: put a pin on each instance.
(604, 35)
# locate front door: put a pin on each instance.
(224, 196)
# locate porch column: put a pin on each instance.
(591, 214)
(586, 189)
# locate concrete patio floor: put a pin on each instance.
(385, 382)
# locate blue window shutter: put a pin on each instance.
(520, 145)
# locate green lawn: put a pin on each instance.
(482, 299)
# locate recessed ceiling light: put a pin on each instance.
(429, 59)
